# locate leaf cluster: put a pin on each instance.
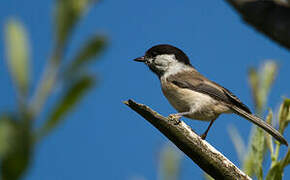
(18, 134)
(260, 142)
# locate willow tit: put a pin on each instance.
(193, 95)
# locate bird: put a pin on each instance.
(192, 94)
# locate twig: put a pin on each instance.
(201, 152)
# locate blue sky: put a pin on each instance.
(103, 139)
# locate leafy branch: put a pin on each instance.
(17, 132)
(261, 81)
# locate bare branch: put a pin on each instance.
(202, 153)
(271, 17)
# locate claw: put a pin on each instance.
(175, 117)
(203, 136)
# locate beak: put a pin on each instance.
(140, 59)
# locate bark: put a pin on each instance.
(200, 151)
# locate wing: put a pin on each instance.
(196, 82)
(236, 100)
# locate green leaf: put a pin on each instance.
(259, 172)
(68, 12)
(7, 132)
(66, 104)
(269, 141)
(269, 74)
(254, 82)
(259, 149)
(275, 173)
(284, 114)
(254, 159)
(286, 160)
(239, 144)
(261, 82)
(17, 50)
(169, 168)
(248, 165)
(16, 160)
(91, 49)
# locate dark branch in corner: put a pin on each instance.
(202, 153)
(268, 17)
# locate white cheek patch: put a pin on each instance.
(175, 67)
(168, 65)
(165, 59)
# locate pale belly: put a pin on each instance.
(203, 107)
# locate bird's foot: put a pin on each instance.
(203, 136)
(175, 118)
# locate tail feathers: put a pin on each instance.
(261, 123)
